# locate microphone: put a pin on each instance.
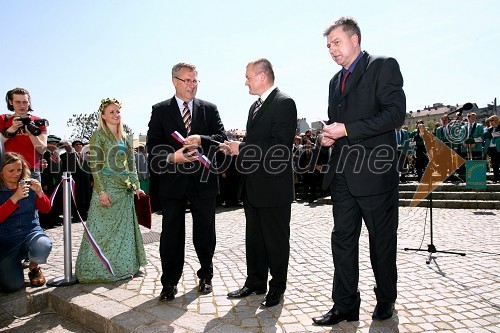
(465, 107)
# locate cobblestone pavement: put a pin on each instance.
(451, 294)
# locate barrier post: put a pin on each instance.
(68, 278)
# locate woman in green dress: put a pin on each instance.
(112, 220)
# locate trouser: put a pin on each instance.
(495, 162)
(172, 240)
(37, 247)
(380, 213)
(267, 241)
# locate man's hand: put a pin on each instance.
(67, 146)
(334, 131)
(325, 141)
(234, 146)
(193, 140)
(183, 155)
(223, 147)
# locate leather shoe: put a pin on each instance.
(244, 292)
(205, 286)
(334, 316)
(272, 299)
(383, 310)
(168, 292)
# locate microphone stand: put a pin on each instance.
(431, 248)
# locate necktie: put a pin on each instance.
(344, 79)
(258, 104)
(186, 117)
(54, 156)
(399, 138)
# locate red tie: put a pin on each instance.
(344, 79)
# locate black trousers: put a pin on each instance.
(267, 246)
(380, 213)
(172, 240)
(495, 162)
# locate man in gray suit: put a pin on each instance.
(366, 103)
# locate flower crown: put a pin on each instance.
(107, 101)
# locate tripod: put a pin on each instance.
(431, 248)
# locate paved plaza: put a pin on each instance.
(451, 294)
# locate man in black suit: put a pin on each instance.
(266, 186)
(366, 103)
(183, 179)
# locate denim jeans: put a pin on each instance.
(36, 246)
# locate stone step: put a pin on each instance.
(22, 303)
(456, 204)
(437, 195)
(106, 308)
(450, 187)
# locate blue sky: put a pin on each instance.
(71, 54)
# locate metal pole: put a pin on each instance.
(68, 279)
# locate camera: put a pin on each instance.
(34, 125)
(25, 182)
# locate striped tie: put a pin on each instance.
(258, 104)
(186, 117)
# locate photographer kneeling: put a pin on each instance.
(24, 133)
(20, 233)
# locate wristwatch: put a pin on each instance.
(7, 134)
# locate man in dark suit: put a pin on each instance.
(75, 161)
(266, 186)
(51, 177)
(183, 179)
(366, 103)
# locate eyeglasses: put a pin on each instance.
(188, 81)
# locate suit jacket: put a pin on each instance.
(488, 138)
(404, 141)
(371, 106)
(267, 178)
(444, 135)
(475, 132)
(176, 179)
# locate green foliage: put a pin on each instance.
(84, 125)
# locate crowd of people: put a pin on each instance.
(468, 138)
(188, 162)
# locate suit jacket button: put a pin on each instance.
(340, 105)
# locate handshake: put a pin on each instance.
(189, 153)
(230, 147)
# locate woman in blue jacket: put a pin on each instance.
(20, 233)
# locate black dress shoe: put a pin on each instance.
(383, 310)
(334, 316)
(272, 299)
(168, 292)
(244, 292)
(205, 286)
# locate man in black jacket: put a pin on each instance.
(266, 187)
(183, 179)
(366, 104)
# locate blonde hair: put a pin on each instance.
(493, 118)
(13, 158)
(102, 123)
